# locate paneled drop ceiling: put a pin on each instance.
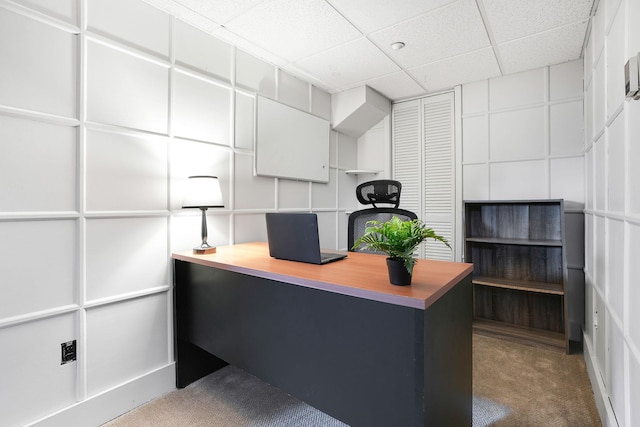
(342, 44)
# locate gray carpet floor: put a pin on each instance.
(514, 385)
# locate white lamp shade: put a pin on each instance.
(202, 191)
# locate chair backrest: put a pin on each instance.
(358, 223)
(379, 191)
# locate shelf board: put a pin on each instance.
(361, 172)
(520, 285)
(520, 242)
(521, 335)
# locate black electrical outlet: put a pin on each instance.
(68, 351)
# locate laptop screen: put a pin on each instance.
(294, 236)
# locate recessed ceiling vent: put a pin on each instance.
(355, 111)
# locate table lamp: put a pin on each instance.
(203, 192)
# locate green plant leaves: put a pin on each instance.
(397, 238)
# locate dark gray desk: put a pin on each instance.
(338, 336)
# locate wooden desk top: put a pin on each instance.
(359, 275)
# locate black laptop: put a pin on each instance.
(294, 237)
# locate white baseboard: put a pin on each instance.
(603, 404)
(106, 406)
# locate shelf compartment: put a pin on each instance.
(517, 242)
(514, 220)
(519, 334)
(521, 285)
(521, 308)
(516, 262)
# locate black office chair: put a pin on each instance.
(358, 223)
(379, 191)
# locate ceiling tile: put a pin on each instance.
(339, 44)
(248, 47)
(548, 48)
(445, 74)
(511, 19)
(293, 29)
(304, 75)
(372, 15)
(446, 32)
(345, 65)
(396, 86)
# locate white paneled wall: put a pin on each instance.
(612, 334)
(43, 61)
(28, 189)
(201, 109)
(106, 107)
(522, 135)
(33, 373)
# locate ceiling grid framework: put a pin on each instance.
(341, 44)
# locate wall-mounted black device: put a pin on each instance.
(632, 77)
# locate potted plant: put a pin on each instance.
(399, 240)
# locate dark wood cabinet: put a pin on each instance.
(528, 278)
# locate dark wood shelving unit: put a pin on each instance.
(528, 258)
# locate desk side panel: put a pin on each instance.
(350, 357)
(192, 362)
(448, 358)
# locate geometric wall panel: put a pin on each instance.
(125, 172)
(67, 10)
(255, 75)
(475, 182)
(615, 267)
(566, 123)
(34, 383)
(244, 132)
(121, 19)
(518, 134)
(476, 139)
(530, 89)
(199, 50)
(201, 110)
(116, 79)
(25, 289)
(127, 340)
(125, 255)
(37, 166)
(519, 180)
(39, 59)
(567, 179)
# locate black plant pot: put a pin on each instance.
(398, 274)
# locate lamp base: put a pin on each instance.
(203, 251)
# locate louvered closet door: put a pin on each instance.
(424, 162)
(407, 141)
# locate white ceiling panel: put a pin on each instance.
(248, 47)
(446, 32)
(348, 64)
(478, 65)
(310, 78)
(372, 15)
(396, 86)
(513, 19)
(339, 44)
(293, 29)
(542, 49)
